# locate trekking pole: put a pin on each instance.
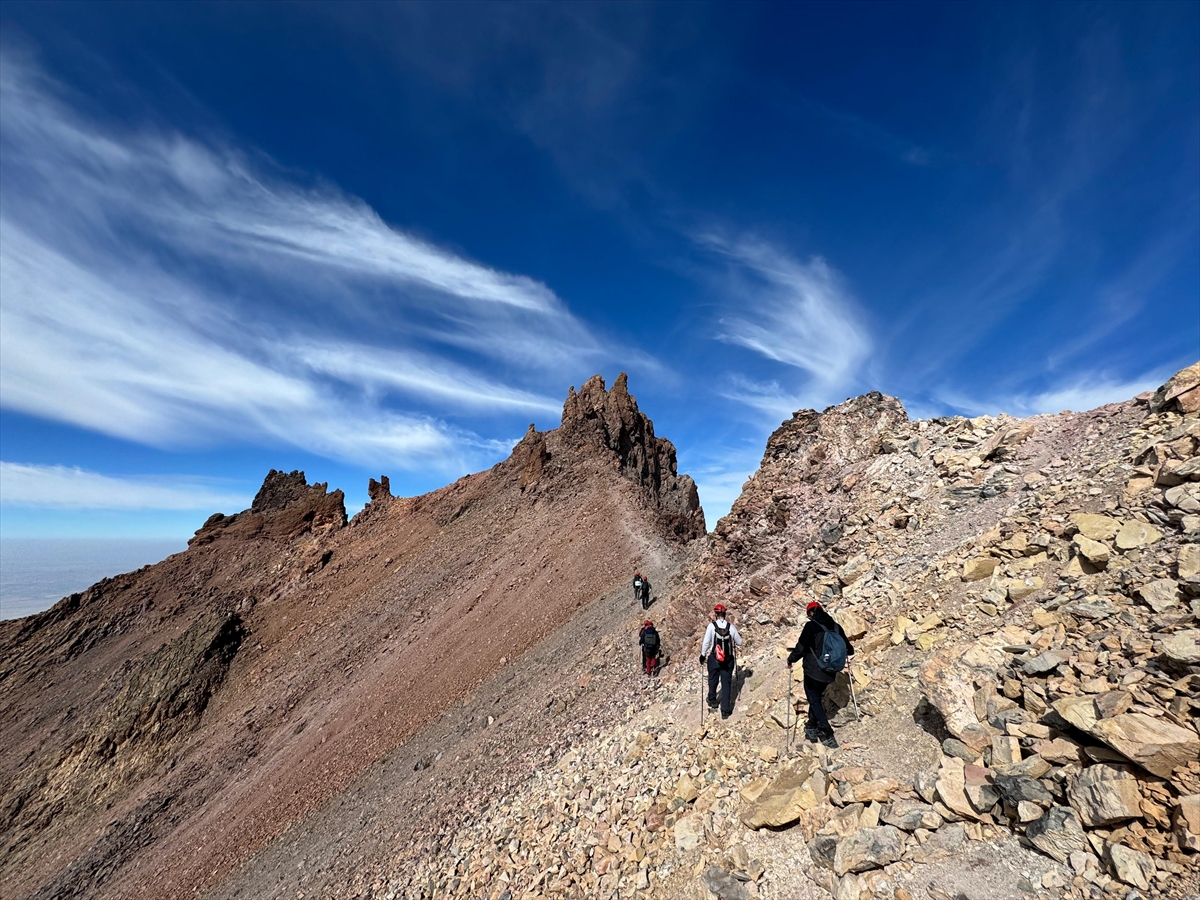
(702, 695)
(857, 716)
(787, 718)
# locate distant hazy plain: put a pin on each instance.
(36, 573)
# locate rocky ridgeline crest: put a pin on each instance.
(609, 423)
(285, 507)
(1023, 596)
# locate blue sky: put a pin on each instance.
(383, 239)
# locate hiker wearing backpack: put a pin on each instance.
(824, 647)
(651, 646)
(721, 640)
(641, 589)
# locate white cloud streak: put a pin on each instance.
(1078, 393)
(795, 313)
(62, 487)
(162, 289)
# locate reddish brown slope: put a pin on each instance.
(165, 725)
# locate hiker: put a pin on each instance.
(824, 647)
(651, 645)
(721, 640)
(641, 589)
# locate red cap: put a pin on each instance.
(647, 622)
(812, 606)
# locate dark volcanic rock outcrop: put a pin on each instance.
(285, 507)
(611, 420)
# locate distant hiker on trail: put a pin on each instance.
(824, 647)
(721, 639)
(641, 589)
(651, 647)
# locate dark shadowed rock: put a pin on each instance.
(1057, 833)
(379, 491)
(611, 421)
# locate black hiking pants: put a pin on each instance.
(815, 692)
(723, 673)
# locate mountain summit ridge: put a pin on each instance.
(294, 630)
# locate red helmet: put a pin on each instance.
(647, 623)
(719, 608)
(812, 606)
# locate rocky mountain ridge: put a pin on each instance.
(1023, 597)
(165, 728)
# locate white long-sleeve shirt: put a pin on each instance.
(710, 636)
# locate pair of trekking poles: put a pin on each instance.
(787, 714)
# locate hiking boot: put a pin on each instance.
(712, 704)
(811, 734)
(829, 740)
(726, 715)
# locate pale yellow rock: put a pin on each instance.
(689, 833)
(1134, 534)
(1138, 483)
(979, 568)
(902, 625)
(1095, 552)
(1096, 527)
(930, 639)
(1189, 560)
(1074, 567)
(1158, 746)
(1005, 750)
(768, 754)
(685, 789)
(1027, 811)
(780, 800)
(853, 625)
(1017, 543)
(951, 787)
(1043, 618)
(1019, 590)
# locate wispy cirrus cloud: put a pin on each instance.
(795, 313)
(64, 487)
(162, 288)
(1078, 392)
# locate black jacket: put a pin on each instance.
(642, 637)
(810, 643)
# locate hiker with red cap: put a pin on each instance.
(651, 645)
(721, 639)
(824, 647)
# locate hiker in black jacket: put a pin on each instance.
(651, 647)
(816, 680)
(641, 589)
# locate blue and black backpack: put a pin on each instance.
(832, 651)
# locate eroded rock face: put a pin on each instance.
(609, 420)
(285, 507)
(151, 706)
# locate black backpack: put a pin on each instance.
(650, 641)
(723, 645)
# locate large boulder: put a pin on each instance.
(860, 851)
(1057, 833)
(780, 800)
(946, 683)
(1158, 746)
(1181, 393)
(1104, 794)
(1096, 527)
(1183, 647)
